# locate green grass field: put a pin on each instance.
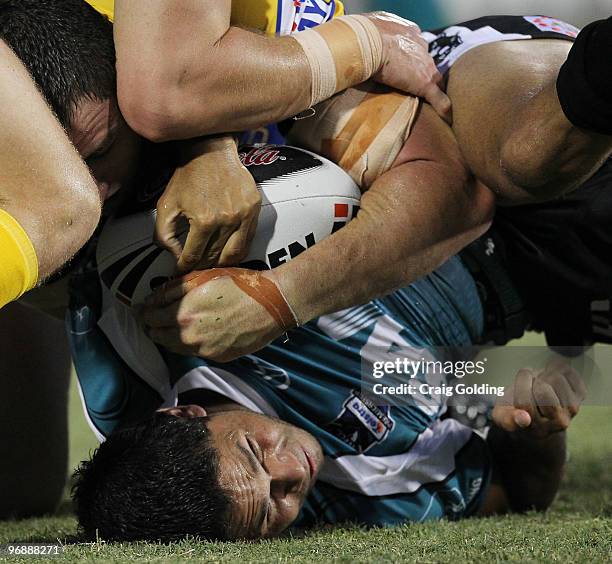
(578, 528)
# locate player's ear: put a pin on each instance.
(185, 411)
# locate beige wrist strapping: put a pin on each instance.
(341, 53)
(361, 129)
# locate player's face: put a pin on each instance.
(267, 467)
(110, 148)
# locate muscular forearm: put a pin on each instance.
(203, 76)
(384, 249)
(530, 469)
(197, 92)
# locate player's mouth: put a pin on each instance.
(311, 465)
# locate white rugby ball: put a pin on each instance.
(305, 198)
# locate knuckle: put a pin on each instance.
(190, 258)
(162, 202)
(183, 319)
(232, 258)
(208, 352)
(255, 199)
(235, 253)
(189, 339)
(228, 218)
(203, 221)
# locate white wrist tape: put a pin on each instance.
(341, 53)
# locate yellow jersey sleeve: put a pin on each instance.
(273, 17)
(18, 261)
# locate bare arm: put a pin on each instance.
(411, 220)
(510, 125)
(44, 184)
(183, 71)
(222, 78)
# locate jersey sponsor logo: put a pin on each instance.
(474, 488)
(443, 45)
(276, 258)
(309, 13)
(270, 162)
(553, 25)
(262, 156)
(447, 46)
(361, 423)
(453, 501)
(271, 373)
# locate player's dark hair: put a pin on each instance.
(66, 46)
(156, 480)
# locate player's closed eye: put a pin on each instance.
(256, 450)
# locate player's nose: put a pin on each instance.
(288, 475)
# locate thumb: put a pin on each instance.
(510, 419)
(440, 102)
(521, 418)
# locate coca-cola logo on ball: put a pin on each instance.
(275, 161)
(261, 156)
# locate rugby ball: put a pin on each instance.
(305, 198)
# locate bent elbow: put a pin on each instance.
(149, 118)
(149, 105)
(168, 109)
(68, 225)
(81, 218)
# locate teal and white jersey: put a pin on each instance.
(383, 464)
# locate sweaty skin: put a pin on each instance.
(374, 254)
(44, 184)
(425, 208)
(510, 126)
(267, 466)
(206, 76)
